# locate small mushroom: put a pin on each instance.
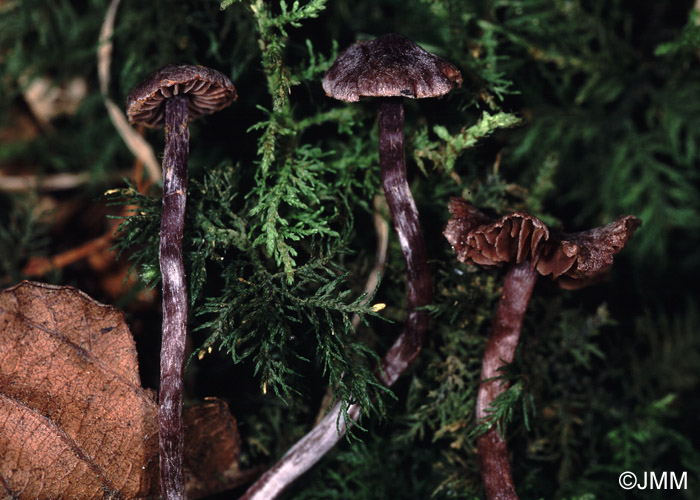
(171, 97)
(526, 244)
(391, 68)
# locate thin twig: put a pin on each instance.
(46, 183)
(331, 429)
(39, 266)
(324, 436)
(56, 182)
(381, 228)
(136, 144)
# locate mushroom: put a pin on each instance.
(523, 242)
(170, 97)
(391, 68)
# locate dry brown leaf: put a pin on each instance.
(212, 446)
(202, 422)
(74, 420)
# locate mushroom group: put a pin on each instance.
(172, 97)
(529, 248)
(389, 68)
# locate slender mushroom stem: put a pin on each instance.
(405, 216)
(324, 436)
(172, 354)
(572, 259)
(309, 449)
(500, 350)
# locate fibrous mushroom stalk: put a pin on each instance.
(390, 68)
(500, 350)
(309, 450)
(405, 216)
(174, 95)
(172, 356)
(527, 245)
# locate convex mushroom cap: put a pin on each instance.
(575, 259)
(389, 66)
(207, 91)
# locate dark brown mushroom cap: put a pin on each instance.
(579, 259)
(389, 66)
(575, 260)
(477, 239)
(206, 89)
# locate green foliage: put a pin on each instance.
(669, 359)
(298, 187)
(617, 116)
(500, 411)
(260, 314)
(139, 231)
(641, 440)
(474, 45)
(686, 41)
(45, 33)
(444, 154)
(293, 200)
(23, 234)
(272, 32)
(644, 437)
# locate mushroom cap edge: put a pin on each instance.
(208, 90)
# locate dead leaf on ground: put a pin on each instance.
(212, 446)
(74, 420)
